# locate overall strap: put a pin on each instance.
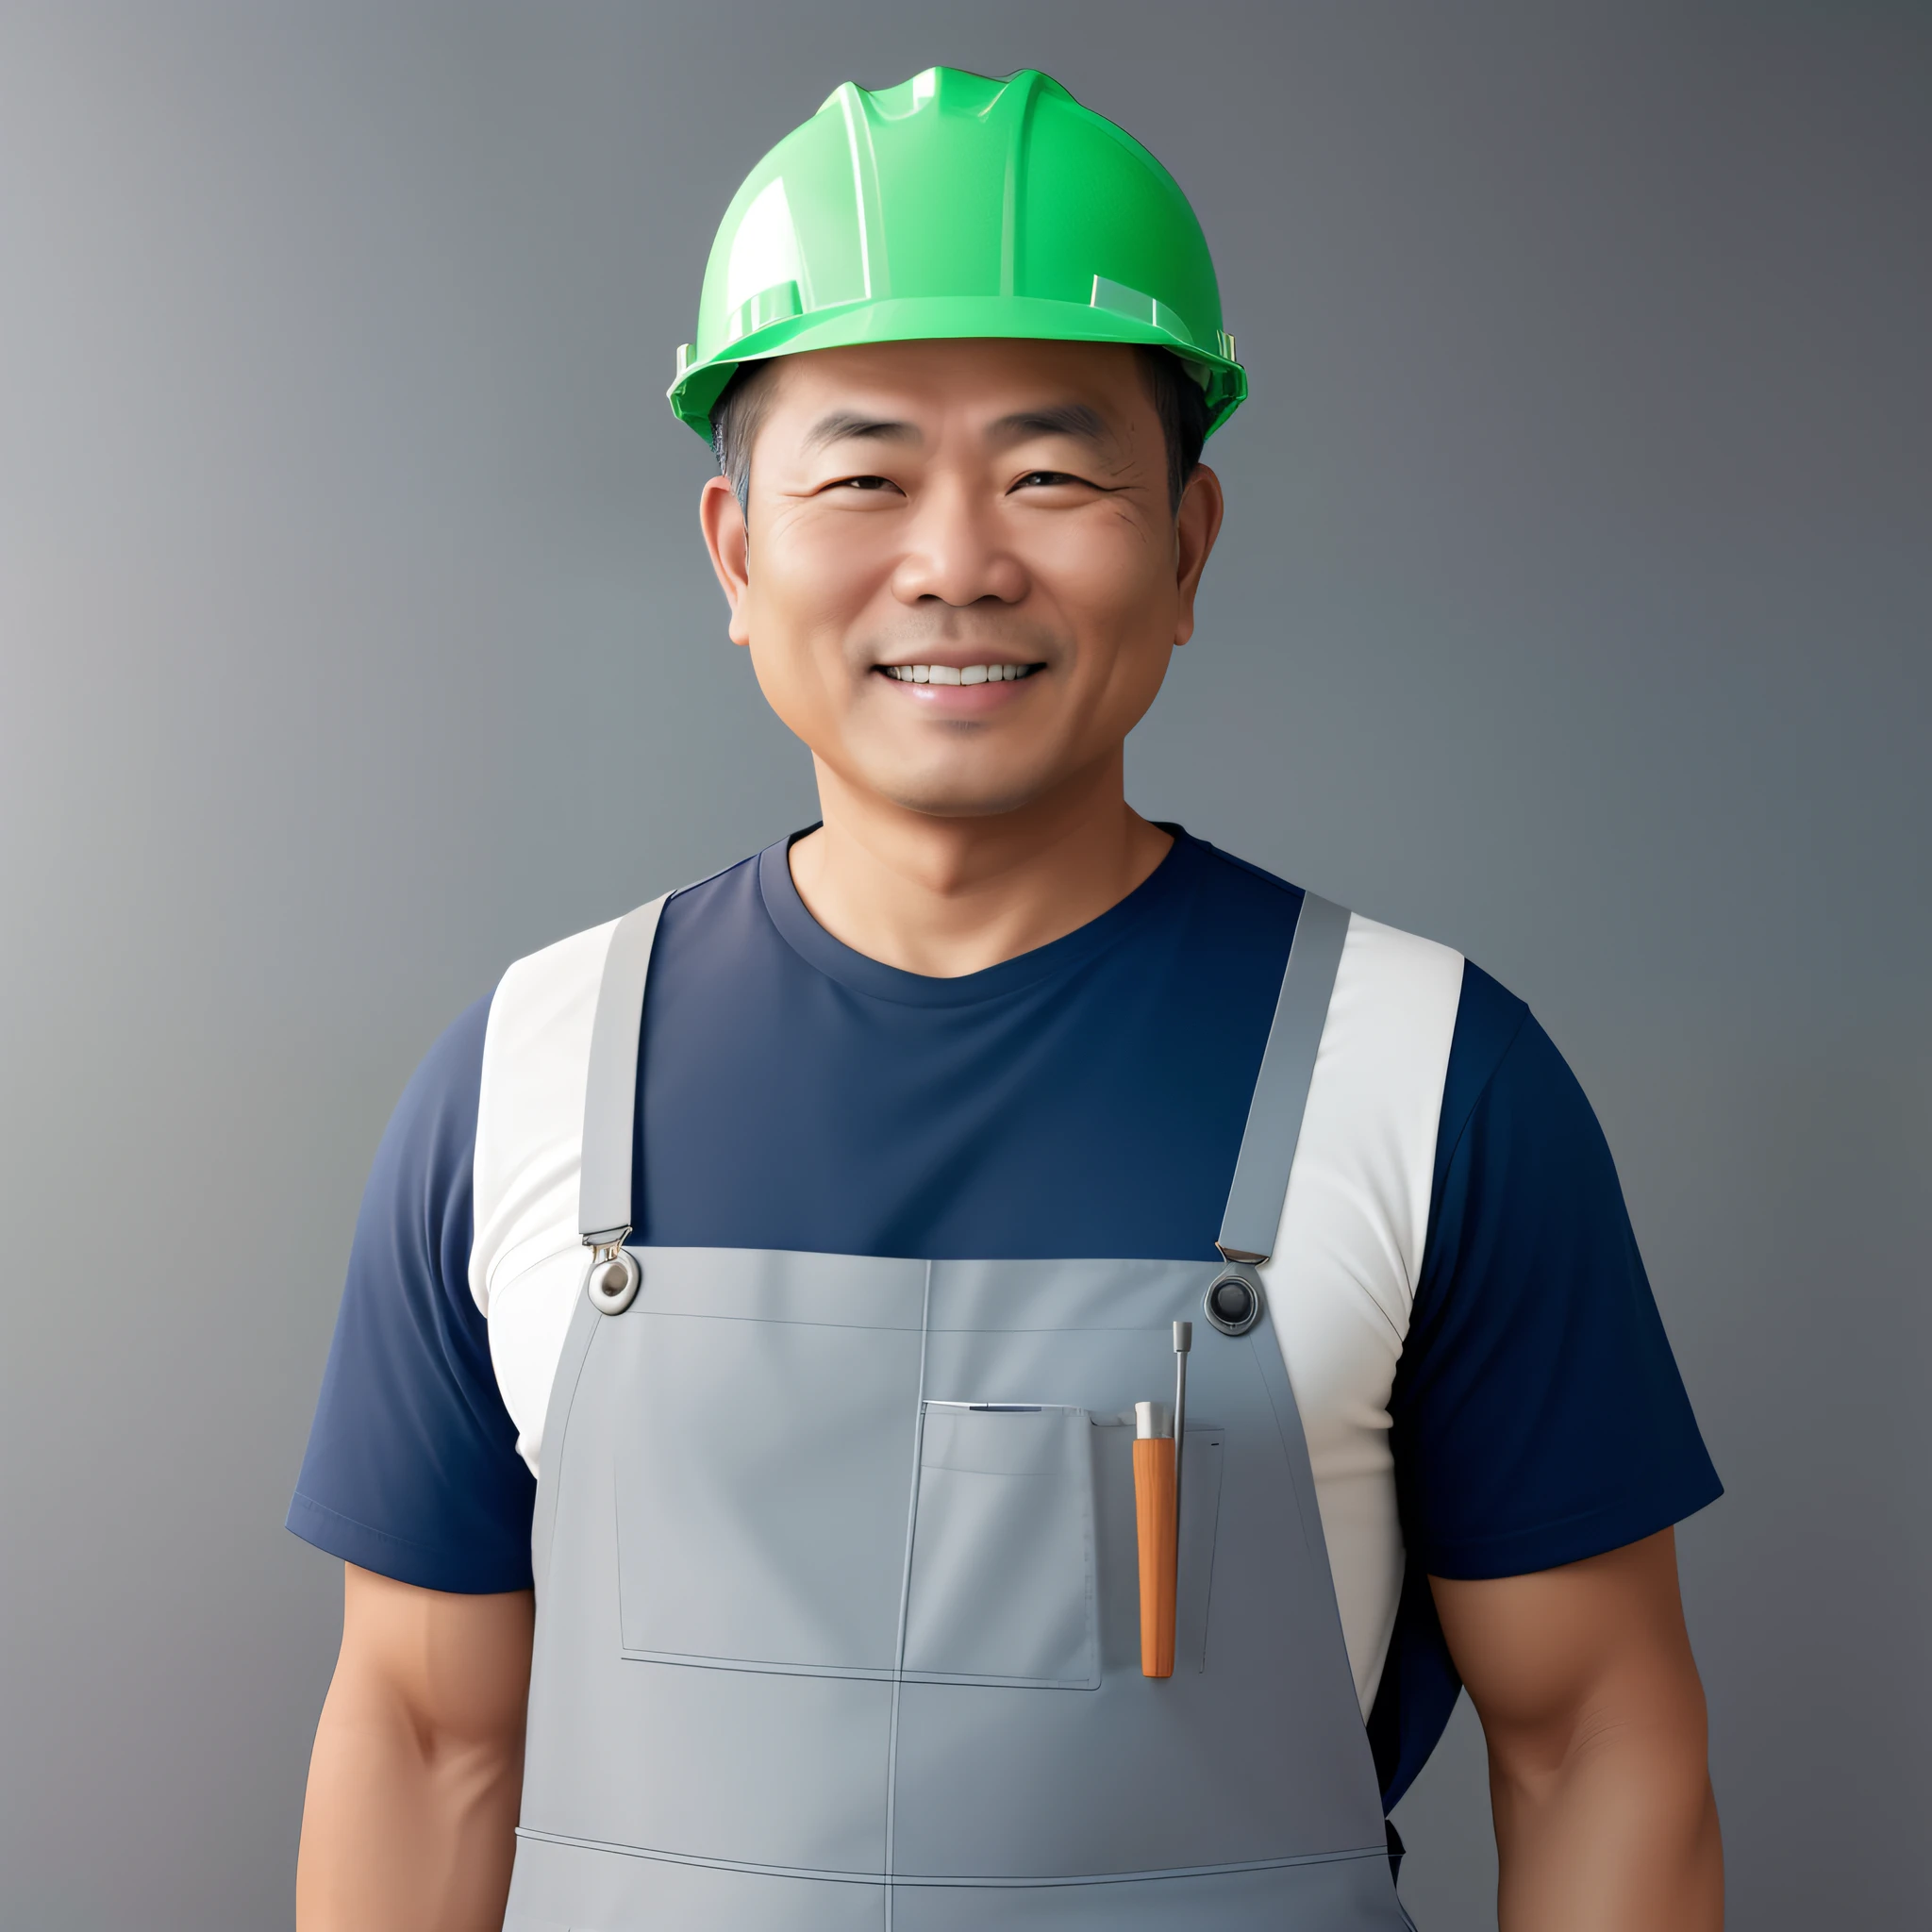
(611, 1091)
(1281, 1088)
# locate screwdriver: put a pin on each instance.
(1157, 1512)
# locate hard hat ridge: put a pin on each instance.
(954, 205)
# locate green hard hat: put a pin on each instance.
(952, 206)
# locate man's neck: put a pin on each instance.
(947, 896)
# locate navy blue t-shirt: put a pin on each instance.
(1084, 1099)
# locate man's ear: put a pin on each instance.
(1194, 531)
(730, 543)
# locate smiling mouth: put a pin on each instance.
(958, 673)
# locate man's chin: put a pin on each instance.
(962, 796)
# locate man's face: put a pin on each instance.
(964, 576)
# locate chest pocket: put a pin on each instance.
(764, 1470)
(1003, 1585)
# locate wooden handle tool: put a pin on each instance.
(1157, 1511)
(1153, 1517)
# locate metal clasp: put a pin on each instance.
(615, 1277)
(1233, 1302)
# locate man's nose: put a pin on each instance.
(957, 550)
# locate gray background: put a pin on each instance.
(1573, 608)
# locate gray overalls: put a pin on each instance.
(837, 1609)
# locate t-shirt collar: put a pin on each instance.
(1170, 881)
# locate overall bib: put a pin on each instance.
(837, 1621)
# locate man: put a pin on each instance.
(918, 1158)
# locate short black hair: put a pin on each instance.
(737, 417)
(1178, 400)
(1181, 404)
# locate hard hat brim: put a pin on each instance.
(947, 318)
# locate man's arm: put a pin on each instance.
(410, 1820)
(1591, 1702)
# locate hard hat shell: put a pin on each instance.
(954, 206)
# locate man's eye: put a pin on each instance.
(1040, 479)
(865, 483)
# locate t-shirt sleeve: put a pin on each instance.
(1538, 1414)
(412, 1468)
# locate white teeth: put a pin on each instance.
(950, 674)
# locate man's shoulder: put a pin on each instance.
(546, 989)
(541, 1016)
(1380, 959)
(536, 1058)
(530, 1103)
(558, 970)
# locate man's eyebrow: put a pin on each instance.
(1057, 419)
(843, 425)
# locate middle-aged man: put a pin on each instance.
(1082, 1345)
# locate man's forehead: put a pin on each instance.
(1078, 389)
